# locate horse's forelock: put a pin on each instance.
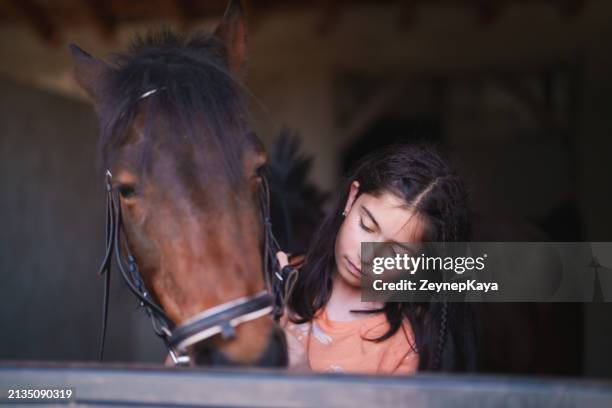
(190, 90)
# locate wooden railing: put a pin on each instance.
(105, 385)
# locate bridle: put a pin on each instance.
(221, 319)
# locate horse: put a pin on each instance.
(296, 203)
(187, 209)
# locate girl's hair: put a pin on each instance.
(444, 333)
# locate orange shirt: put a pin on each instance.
(339, 346)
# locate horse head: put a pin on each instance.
(184, 182)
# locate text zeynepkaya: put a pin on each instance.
(412, 264)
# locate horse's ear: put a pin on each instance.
(88, 72)
(232, 32)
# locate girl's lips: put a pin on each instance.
(353, 269)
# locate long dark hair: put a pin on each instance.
(444, 333)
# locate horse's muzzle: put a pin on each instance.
(275, 354)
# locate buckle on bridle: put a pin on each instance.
(222, 319)
(179, 359)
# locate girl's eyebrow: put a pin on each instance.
(370, 215)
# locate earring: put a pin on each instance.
(344, 213)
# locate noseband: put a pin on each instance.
(221, 319)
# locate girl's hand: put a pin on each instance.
(298, 359)
(283, 260)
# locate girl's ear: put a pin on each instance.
(353, 193)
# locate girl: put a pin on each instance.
(398, 194)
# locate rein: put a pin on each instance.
(221, 319)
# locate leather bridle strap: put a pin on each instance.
(222, 319)
(106, 262)
(279, 283)
(162, 324)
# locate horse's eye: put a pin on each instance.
(261, 170)
(127, 190)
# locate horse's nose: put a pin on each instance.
(275, 354)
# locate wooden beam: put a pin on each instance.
(179, 11)
(101, 16)
(137, 386)
(39, 20)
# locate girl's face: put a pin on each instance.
(373, 219)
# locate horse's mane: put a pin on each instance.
(297, 203)
(199, 100)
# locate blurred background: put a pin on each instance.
(518, 92)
